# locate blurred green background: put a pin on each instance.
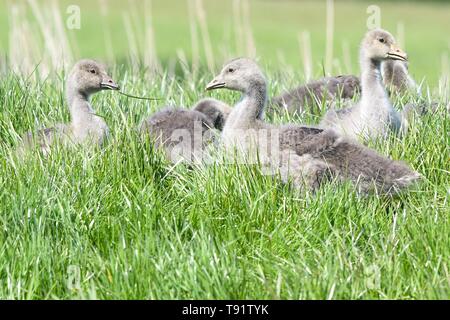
(275, 25)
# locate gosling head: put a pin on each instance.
(215, 110)
(89, 76)
(240, 74)
(380, 45)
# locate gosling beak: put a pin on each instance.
(215, 84)
(109, 84)
(397, 54)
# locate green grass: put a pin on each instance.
(137, 227)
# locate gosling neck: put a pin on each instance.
(371, 84)
(251, 107)
(81, 112)
(78, 103)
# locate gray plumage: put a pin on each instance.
(216, 111)
(184, 133)
(314, 93)
(86, 78)
(396, 77)
(300, 154)
(43, 139)
(373, 115)
(398, 81)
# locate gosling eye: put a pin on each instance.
(92, 71)
(230, 70)
(381, 40)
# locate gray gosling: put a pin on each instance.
(183, 134)
(398, 81)
(86, 78)
(373, 116)
(216, 111)
(303, 155)
(396, 78)
(315, 93)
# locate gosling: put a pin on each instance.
(184, 134)
(86, 127)
(373, 116)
